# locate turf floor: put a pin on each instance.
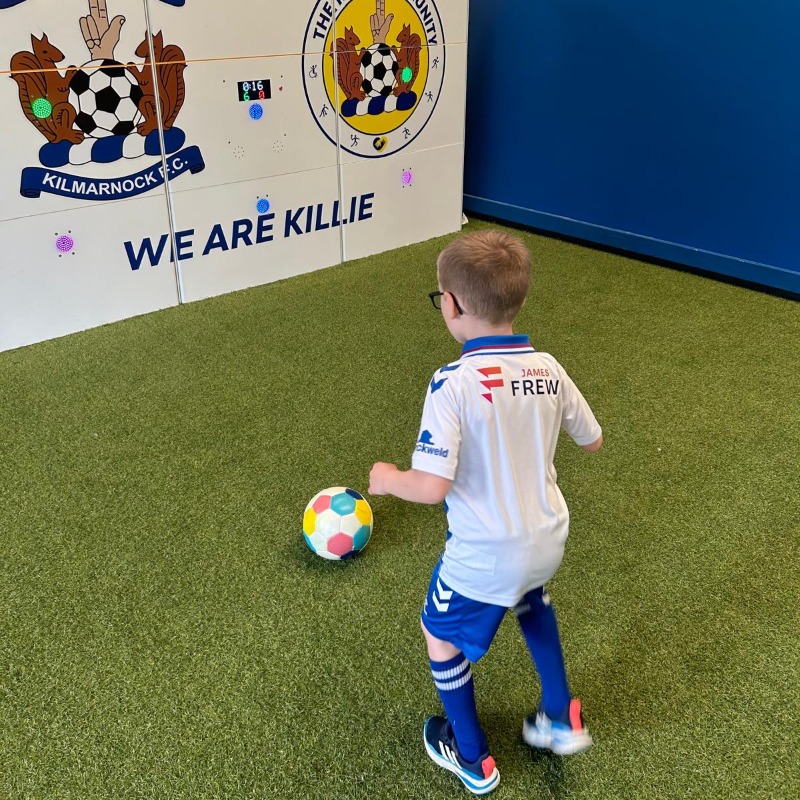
(165, 632)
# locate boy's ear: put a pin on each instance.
(450, 310)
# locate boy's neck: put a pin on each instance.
(473, 328)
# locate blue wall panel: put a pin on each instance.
(670, 130)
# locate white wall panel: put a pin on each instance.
(405, 213)
(219, 29)
(282, 138)
(45, 293)
(226, 245)
(61, 178)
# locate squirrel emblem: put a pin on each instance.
(348, 64)
(170, 66)
(37, 77)
(407, 56)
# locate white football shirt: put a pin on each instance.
(490, 424)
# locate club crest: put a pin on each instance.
(103, 111)
(373, 72)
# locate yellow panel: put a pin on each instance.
(363, 512)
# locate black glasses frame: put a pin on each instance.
(434, 296)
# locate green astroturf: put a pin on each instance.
(165, 632)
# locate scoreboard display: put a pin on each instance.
(254, 90)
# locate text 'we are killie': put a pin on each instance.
(247, 232)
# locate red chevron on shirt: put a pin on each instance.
(491, 383)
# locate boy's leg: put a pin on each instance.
(458, 631)
(456, 741)
(558, 724)
(452, 676)
(537, 619)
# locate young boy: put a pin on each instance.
(487, 439)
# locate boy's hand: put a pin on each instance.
(379, 477)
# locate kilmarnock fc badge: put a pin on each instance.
(103, 111)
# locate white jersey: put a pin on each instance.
(490, 424)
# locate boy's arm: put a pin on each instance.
(594, 446)
(435, 454)
(412, 484)
(577, 418)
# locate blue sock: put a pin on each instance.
(538, 622)
(456, 689)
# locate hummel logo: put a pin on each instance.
(441, 597)
(436, 385)
(491, 383)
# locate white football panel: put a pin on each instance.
(88, 103)
(320, 542)
(43, 296)
(350, 525)
(121, 85)
(105, 119)
(327, 524)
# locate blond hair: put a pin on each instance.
(489, 274)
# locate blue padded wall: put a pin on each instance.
(670, 130)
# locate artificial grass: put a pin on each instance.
(164, 631)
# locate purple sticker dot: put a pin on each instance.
(65, 244)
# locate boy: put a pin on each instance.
(487, 439)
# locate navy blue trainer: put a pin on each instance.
(480, 776)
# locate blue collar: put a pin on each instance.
(516, 341)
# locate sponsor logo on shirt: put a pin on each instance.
(428, 446)
(491, 381)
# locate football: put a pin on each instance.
(337, 523)
(379, 71)
(106, 96)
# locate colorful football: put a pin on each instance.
(337, 523)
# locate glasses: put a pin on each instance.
(437, 303)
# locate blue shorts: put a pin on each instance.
(468, 624)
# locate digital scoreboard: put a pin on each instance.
(254, 90)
